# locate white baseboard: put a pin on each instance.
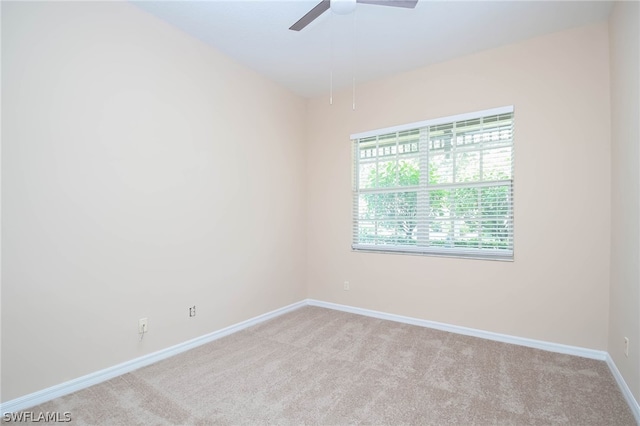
(633, 404)
(91, 379)
(505, 338)
(83, 382)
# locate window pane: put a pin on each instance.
(468, 133)
(496, 164)
(496, 216)
(389, 217)
(466, 202)
(467, 167)
(409, 172)
(439, 203)
(467, 234)
(390, 174)
(408, 141)
(367, 231)
(495, 201)
(387, 174)
(498, 130)
(440, 169)
(389, 161)
(494, 236)
(367, 148)
(462, 206)
(440, 138)
(367, 175)
(440, 233)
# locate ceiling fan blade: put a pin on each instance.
(320, 8)
(410, 4)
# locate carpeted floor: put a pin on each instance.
(319, 366)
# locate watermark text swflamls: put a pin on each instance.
(31, 416)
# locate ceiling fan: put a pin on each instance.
(343, 7)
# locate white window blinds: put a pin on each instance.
(442, 187)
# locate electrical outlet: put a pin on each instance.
(192, 311)
(626, 347)
(346, 286)
(143, 326)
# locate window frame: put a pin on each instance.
(425, 188)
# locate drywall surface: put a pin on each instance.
(142, 173)
(624, 310)
(557, 288)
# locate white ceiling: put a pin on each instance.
(387, 39)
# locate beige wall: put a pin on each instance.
(142, 173)
(139, 165)
(624, 308)
(557, 289)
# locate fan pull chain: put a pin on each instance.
(353, 62)
(331, 61)
(331, 87)
(354, 94)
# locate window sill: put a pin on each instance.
(451, 253)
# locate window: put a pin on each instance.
(441, 187)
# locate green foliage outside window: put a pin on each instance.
(475, 216)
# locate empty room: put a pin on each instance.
(320, 212)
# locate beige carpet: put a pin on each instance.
(319, 366)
